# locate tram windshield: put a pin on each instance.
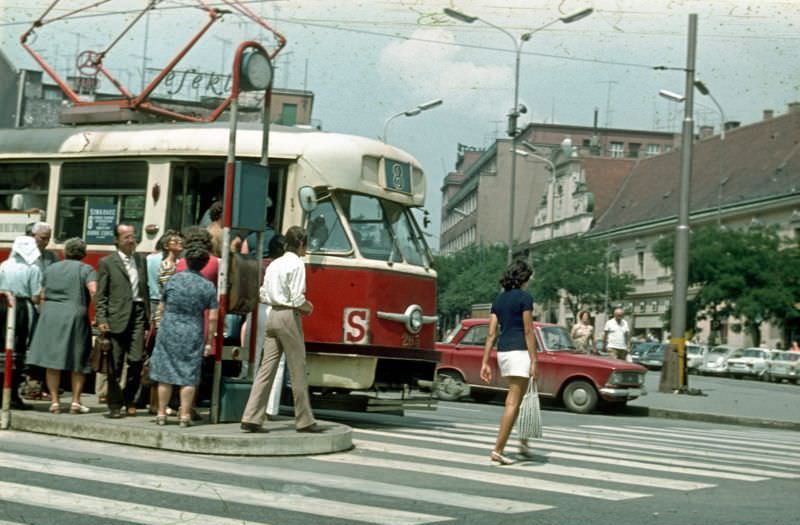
(382, 230)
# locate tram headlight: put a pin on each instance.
(414, 323)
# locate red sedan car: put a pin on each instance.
(580, 381)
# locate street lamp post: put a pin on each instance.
(411, 113)
(681, 255)
(516, 110)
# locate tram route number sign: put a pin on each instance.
(356, 326)
(398, 176)
(100, 220)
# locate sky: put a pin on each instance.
(366, 60)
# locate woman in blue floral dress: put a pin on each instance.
(180, 343)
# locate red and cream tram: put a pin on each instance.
(368, 268)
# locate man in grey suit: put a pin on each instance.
(121, 312)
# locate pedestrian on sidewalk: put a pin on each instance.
(20, 275)
(583, 333)
(616, 335)
(795, 347)
(512, 313)
(284, 291)
(63, 341)
(180, 342)
(122, 312)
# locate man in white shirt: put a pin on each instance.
(283, 291)
(616, 335)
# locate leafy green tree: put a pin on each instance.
(467, 277)
(748, 273)
(577, 268)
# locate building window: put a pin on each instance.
(640, 262)
(652, 150)
(289, 114)
(643, 307)
(617, 150)
(633, 149)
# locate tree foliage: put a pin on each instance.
(467, 277)
(577, 267)
(750, 274)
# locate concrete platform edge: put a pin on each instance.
(202, 439)
(720, 418)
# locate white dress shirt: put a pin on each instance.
(133, 274)
(284, 282)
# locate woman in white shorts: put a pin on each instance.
(512, 312)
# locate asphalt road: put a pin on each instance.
(425, 467)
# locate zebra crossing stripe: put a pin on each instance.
(779, 438)
(678, 466)
(556, 470)
(108, 508)
(482, 476)
(671, 437)
(322, 480)
(614, 440)
(218, 491)
(701, 439)
(777, 469)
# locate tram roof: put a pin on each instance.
(337, 157)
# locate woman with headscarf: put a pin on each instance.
(20, 275)
(64, 342)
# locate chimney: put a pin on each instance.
(794, 106)
(706, 131)
(768, 114)
(732, 124)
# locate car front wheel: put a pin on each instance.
(449, 385)
(580, 396)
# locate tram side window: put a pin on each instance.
(325, 230)
(95, 196)
(23, 187)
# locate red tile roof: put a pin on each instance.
(758, 161)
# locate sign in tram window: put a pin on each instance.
(23, 187)
(398, 175)
(101, 217)
(90, 190)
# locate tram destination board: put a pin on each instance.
(100, 221)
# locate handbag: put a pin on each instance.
(529, 425)
(99, 358)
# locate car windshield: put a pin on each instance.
(720, 350)
(556, 338)
(452, 333)
(694, 350)
(643, 348)
(753, 353)
(655, 352)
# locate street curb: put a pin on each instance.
(720, 418)
(222, 439)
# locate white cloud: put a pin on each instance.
(429, 70)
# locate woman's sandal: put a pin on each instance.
(77, 408)
(161, 420)
(185, 421)
(525, 449)
(55, 408)
(500, 459)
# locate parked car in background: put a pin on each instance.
(638, 350)
(784, 365)
(653, 359)
(694, 357)
(751, 363)
(715, 361)
(578, 380)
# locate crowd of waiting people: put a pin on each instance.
(157, 315)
